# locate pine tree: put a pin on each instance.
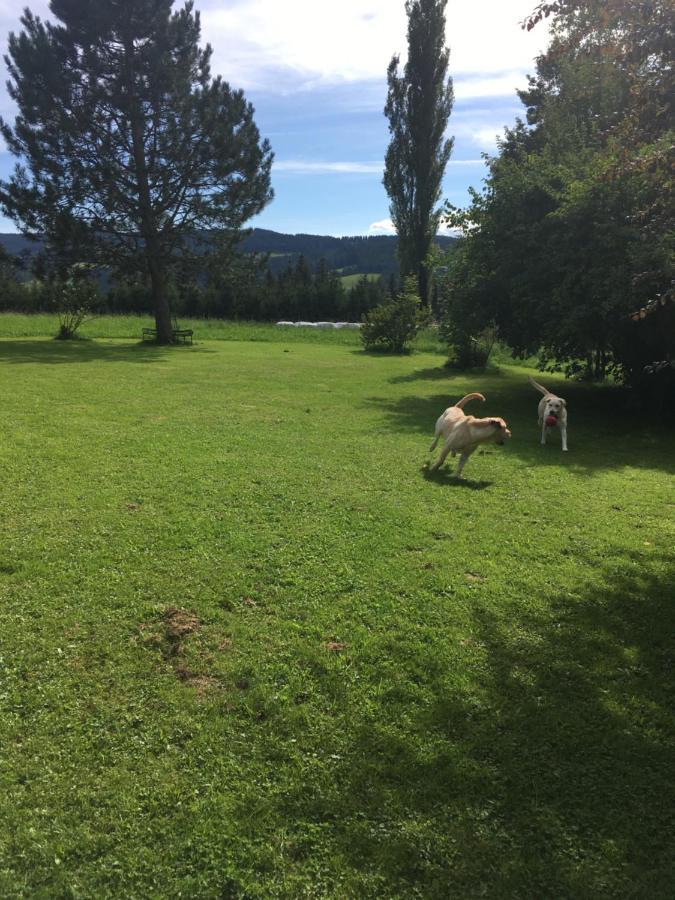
(418, 107)
(136, 158)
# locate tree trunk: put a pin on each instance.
(160, 300)
(153, 249)
(423, 284)
(422, 246)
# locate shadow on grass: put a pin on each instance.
(446, 477)
(601, 434)
(383, 354)
(443, 373)
(52, 351)
(545, 770)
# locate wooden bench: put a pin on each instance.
(180, 335)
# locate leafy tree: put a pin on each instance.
(574, 228)
(637, 38)
(136, 157)
(418, 107)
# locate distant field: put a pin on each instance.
(251, 648)
(348, 281)
(19, 325)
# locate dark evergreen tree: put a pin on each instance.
(418, 107)
(135, 156)
(365, 295)
(303, 273)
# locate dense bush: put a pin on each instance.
(392, 326)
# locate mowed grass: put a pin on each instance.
(21, 325)
(348, 281)
(251, 649)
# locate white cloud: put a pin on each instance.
(498, 85)
(384, 226)
(307, 167)
(314, 41)
(328, 167)
(486, 136)
(299, 43)
(284, 46)
(450, 232)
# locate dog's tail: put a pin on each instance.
(474, 396)
(539, 387)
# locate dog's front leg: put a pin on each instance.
(462, 460)
(441, 459)
(563, 434)
(543, 431)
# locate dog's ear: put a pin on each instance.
(499, 423)
(564, 403)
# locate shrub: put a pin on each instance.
(75, 301)
(468, 351)
(391, 326)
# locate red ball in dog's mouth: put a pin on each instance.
(551, 421)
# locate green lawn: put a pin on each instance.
(249, 649)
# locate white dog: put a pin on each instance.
(550, 405)
(464, 433)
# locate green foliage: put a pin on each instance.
(11, 292)
(133, 155)
(418, 107)
(464, 325)
(393, 325)
(240, 290)
(75, 301)
(574, 230)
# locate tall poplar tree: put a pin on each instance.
(419, 102)
(134, 156)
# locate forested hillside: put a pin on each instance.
(348, 254)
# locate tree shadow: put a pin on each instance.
(546, 770)
(84, 351)
(443, 373)
(602, 434)
(383, 354)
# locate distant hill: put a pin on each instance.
(348, 255)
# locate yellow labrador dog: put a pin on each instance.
(550, 405)
(464, 433)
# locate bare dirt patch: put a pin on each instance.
(178, 624)
(175, 627)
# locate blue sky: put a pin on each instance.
(315, 71)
